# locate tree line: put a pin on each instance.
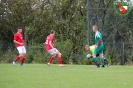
(68, 18)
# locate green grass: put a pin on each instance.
(71, 76)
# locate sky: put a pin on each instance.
(132, 1)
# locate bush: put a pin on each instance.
(65, 47)
(29, 56)
(37, 54)
(112, 55)
(8, 55)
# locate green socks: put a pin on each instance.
(96, 61)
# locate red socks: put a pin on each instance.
(51, 59)
(22, 61)
(17, 58)
(59, 60)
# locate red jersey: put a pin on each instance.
(48, 39)
(19, 38)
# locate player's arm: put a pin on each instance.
(50, 43)
(99, 42)
(18, 42)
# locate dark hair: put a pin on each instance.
(20, 28)
(52, 31)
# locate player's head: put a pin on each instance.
(95, 28)
(20, 29)
(87, 47)
(52, 32)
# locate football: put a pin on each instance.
(88, 56)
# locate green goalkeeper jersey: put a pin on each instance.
(92, 49)
(98, 36)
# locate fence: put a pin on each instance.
(115, 53)
(120, 52)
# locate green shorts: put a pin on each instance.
(99, 50)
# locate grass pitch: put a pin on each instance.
(71, 76)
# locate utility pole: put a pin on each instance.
(88, 23)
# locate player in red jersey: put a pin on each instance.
(49, 45)
(18, 40)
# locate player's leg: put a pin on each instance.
(19, 56)
(24, 56)
(96, 60)
(51, 59)
(59, 58)
(23, 59)
(102, 59)
(99, 50)
(101, 56)
(106, 62)
(53, 54)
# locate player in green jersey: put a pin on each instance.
(92, 50)
(98, 46)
